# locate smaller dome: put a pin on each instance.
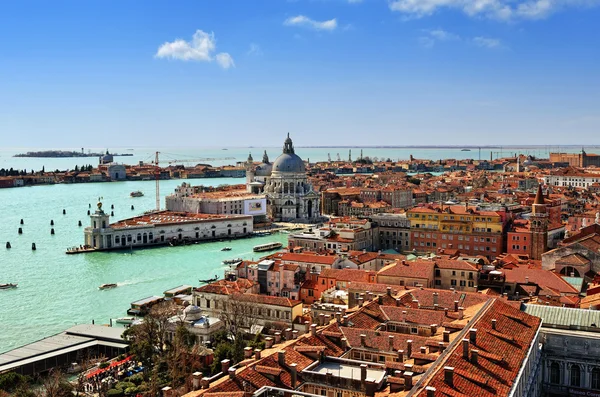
(264, 169)
(192, 313)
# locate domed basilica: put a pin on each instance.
(290, 198)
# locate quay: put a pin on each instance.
(83, 340)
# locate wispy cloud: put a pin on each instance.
(495, 9)
(487, 42)
(304, 21)
(201, 48)
(254, 49)
(431, 36)
(354, 1)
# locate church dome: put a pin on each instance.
(289, 161)
(265, 168)
(192, 313)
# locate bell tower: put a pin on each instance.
(539, 226)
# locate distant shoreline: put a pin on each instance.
(64, 154)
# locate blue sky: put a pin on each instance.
(332, 72)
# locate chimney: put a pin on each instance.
(408, 380)
(400, 356)
(288, 334)
(360, 301)
(281, 358)
(430, 391)
(441, 347)
(225, 366)
(473, 336)
(268, 342)
(494, 323)
(433, 329)
(231, 373)
(293, 375)
(257, 354)
(409, 348)
(322, 319)
(455, 306)
(460, 312)
(363, 373)
(363, 340)
(446, 311)
(415, 304)
(526, 279)
(449, 376)
(295, 334)
(474, 356)
(338, 317)
(435, 299)
(389, 291)
(423, 349)
(313, 329)
(369, 296)
(465, 347)
(446, 336)
(277, 338)
(345, 320)
(398, 302)
(379, 299)
(196, 380)
(391, 342)
(248, 351)
(403, 316)
(205, 382)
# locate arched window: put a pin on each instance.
(139, 237)
(555, 373)
(117, 240)
(575, 375)
(596, 378)
(150, 236)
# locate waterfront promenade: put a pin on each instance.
(58, 290)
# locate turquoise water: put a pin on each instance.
(57, 290)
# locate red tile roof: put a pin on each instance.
(411, 269)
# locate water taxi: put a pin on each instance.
(125, 320)
(267, 247)
(8, 286)
(232, 261)
(107, 286)
(137, 193)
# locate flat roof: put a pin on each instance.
(177, 289)
(113, 334)
(147, 300)
(348, 371)
(565, 317)
(170, 217)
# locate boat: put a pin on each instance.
(8, 286)
(465, 150)
(267, 247)
(125, 320)
(107, 286)
(209, 280)
(232, 261)
(226, 249)
(137, 193)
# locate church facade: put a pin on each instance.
(290, 197)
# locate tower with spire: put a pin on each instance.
(539, 226)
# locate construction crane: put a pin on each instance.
(156, 164)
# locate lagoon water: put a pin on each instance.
(57, 290)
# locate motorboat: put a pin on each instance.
(209, 280)
(108, 286)
(226, 249)
(125, 320)
(137, 193)
(8, 286)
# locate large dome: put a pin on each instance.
(289, 161)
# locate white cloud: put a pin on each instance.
(254, 49)
(495, 9)
(442, 35)
(354, 1)
(200, 48)
(301, 20)
(487, 42)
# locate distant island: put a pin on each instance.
(65, 153)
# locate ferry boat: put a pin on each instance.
(125, 320)
(267, 247)
(8, 286)
(232, 261)
(137, 193)
(107, 286)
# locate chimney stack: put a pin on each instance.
(345, 320)
(379, 299)
(391, 342)
(441, 346)
(455, 306)
(446, 336)
(363, 340)
(461, 312)
(225, 366)
(398, 302)
(403, 316)
(423, 349)
(363, 373)
(435, 298)
(313, 329)
(494, 323)
(360, 301)
(408, 380)
(281, 358)
(409, 348)
(248, 351)
(449, 376)
(430, 391)
(474, 356)
(465, 348)
(293, 375)
(257, 354)
(473, 336)
(231, 373)
(400, 355)
(389, 291)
